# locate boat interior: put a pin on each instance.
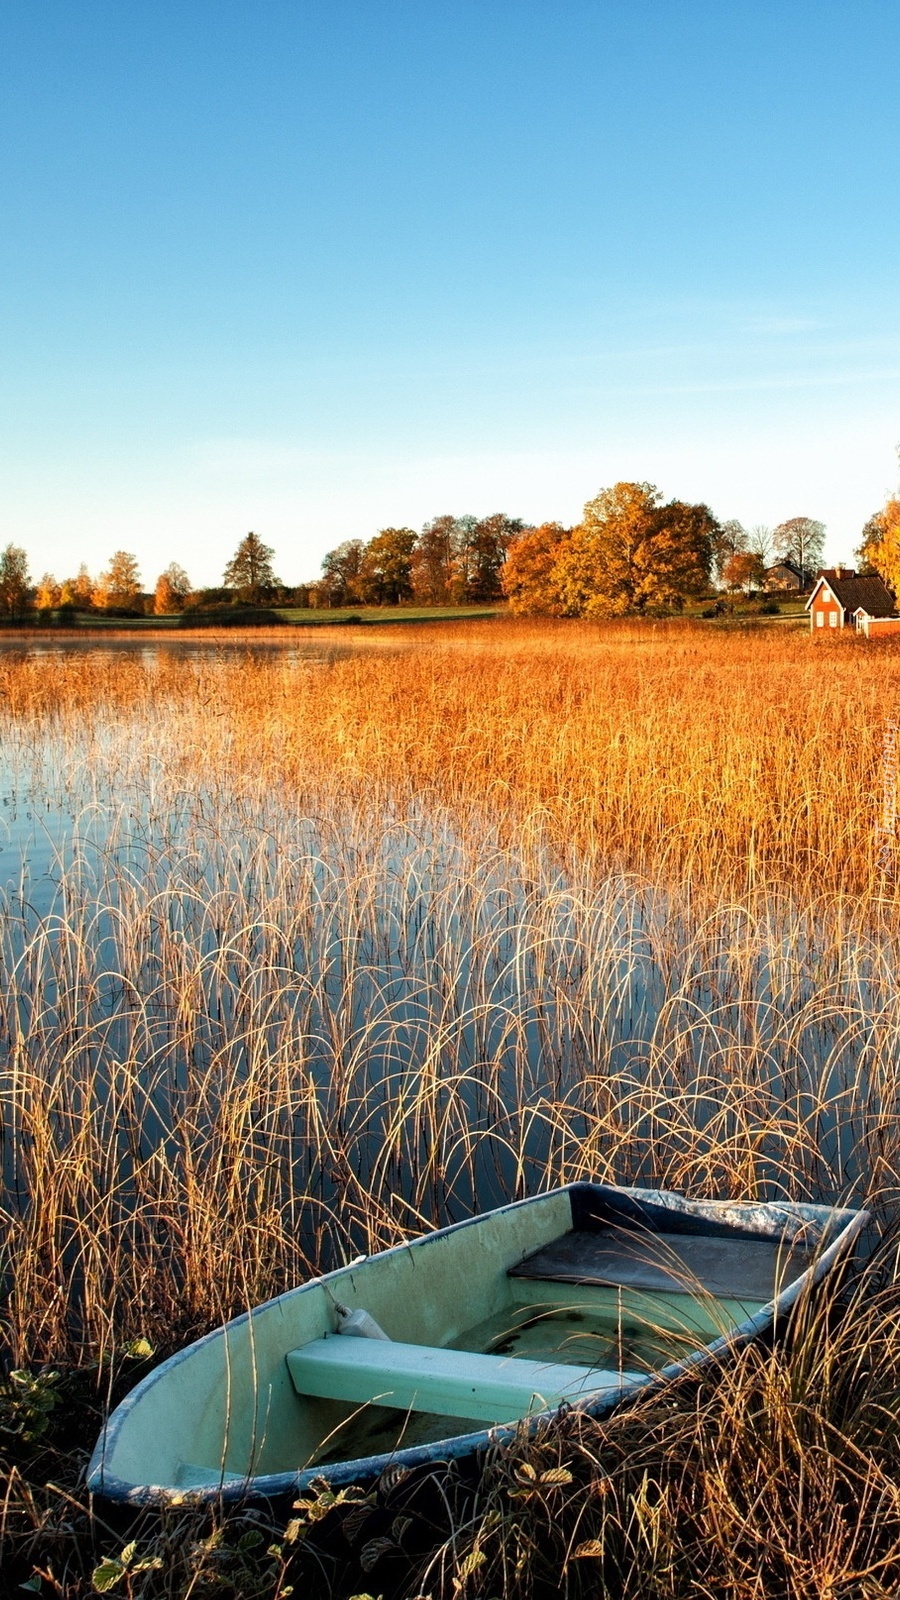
(588, 1313)
(575, 1296)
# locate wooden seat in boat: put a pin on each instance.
(732, 1268)
(453, 1383)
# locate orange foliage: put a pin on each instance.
(529, 576)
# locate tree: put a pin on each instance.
(880, 549)
(743, 570)
(677, 555)
(249, 573)
(731, 538)
(173, 588)
(385, 573)
(632, 554)
(432, 572)
(341, 569)
(529, 576)
(801, 540)
(13, 580)
(48, 593)
(119, 587)
(481, 554)
(760, 541)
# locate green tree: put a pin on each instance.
(249, 573)
(385, 573)
(119, 586)
(14, 580)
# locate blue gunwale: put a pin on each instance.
(838, 1228)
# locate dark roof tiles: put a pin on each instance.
(868, 592)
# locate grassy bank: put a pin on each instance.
(340, 950)
(238, 617)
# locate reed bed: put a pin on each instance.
(328, 949)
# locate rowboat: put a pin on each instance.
(435, 1349)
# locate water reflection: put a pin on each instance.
(465, 1021)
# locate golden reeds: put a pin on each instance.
(344, 941)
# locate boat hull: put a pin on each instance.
(222, 1419)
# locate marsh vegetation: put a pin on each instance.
(306, 953)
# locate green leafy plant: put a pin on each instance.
(27, 1403)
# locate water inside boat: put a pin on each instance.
(623, 1306)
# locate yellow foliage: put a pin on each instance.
(882, 550)
(629, 553)
(47, 594)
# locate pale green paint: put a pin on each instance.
(230, 1406)
(452, 1383)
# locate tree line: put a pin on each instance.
(634, 553)
(631, 552)
(453, 561)
(248, 578)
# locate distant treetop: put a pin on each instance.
(249, 572)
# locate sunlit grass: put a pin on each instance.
(344, 949)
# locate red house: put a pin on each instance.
(843, 598)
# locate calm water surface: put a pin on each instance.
(375, 950)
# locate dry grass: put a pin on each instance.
(341, 948)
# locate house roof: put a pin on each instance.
(855, 593)
(786, 564)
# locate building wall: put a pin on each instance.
(825, 614)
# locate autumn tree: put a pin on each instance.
(743, 571)
(173, 588)
(880, 547)
(730, 539)
(481, 546)
(48, 593)
(677, 556)
(432, 569)
(341, 570)
(78, 591)
(119, 587)
(630, 553)
(529, 577)
(801, 540)
(249, 573)
(13, 580)
(385, 572)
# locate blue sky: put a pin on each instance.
(314, 269)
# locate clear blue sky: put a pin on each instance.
(316, 268)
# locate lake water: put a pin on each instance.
(414, 1023)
